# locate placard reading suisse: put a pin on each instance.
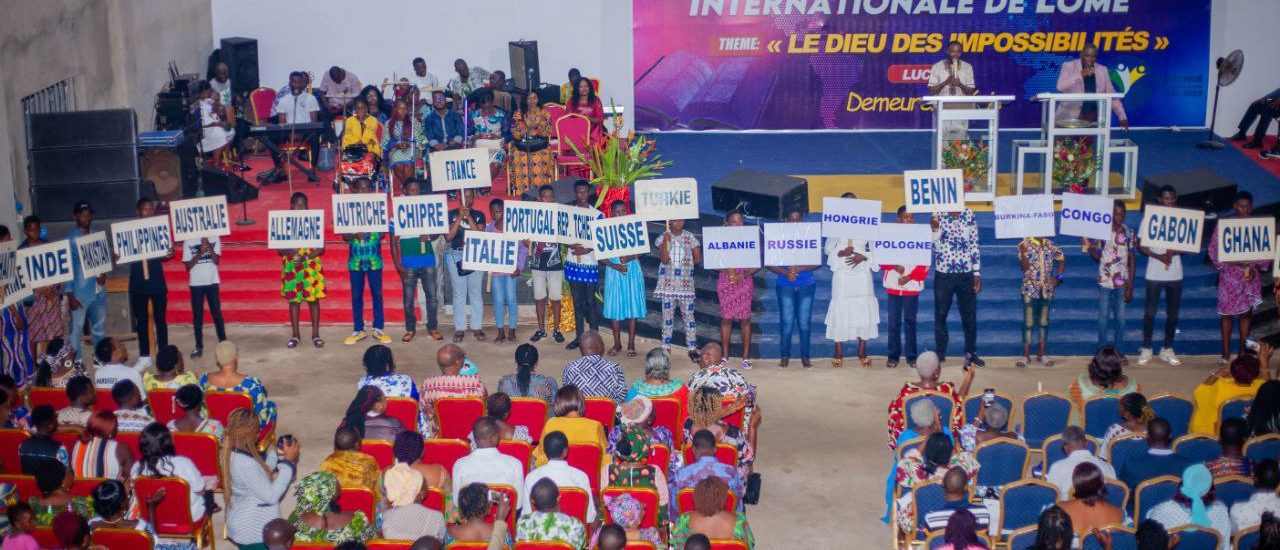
(621, 236)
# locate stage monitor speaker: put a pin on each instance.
(768, 196)
(1198, 188)
(171, 169)
(241, 56)
(221, 182)
(524, 64)
(81, 129)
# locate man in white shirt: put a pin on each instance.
(1164, 273)
(1075, 444)
(294, 105)
(557, 469)
(1266, 477)
(953, 77)
(486, 465)
(111, 355)
(422, 78)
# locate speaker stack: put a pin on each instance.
(241, 56)
(83, 155)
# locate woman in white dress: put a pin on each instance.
(853, 312)
(216, 133)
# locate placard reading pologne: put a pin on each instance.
(143, 239)
(1020, 216)
(1179, 229)
(904, 244)
(419, 215)
(850, 218)
(621, 236)
(12, 279)
(202, 217)
(1087, 216)
(1246, 239)
(573, 224)
(486, 251)
(47, 264)
(934, 190)
(459, 169)
(788, 244)
(95, 254)
(667, 199)
(533, 221)
(731, 247)
(360, 213)
(290, 229)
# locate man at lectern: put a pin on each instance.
(1086, 76)
(952, 77)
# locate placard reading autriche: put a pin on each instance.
(360, 213)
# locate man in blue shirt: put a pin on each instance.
(415, 260)
(1264, 110)
(88, 296)
(442, 126)
(704, 466)
(1159, 460)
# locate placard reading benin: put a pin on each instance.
(933, 190)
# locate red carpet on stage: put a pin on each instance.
(250, 273)
(1270, 165)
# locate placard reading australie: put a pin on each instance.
(617, 237)
(202, 217)
(534, 221)
(850, 218)
(903, 244)
(788, 244)
(95, 254)
(1021, 216)
(667, 199)
(360, 213)
(290, 229)
(47, 264)
(419, 215)
(731, 247)
(1179, 229)
(486, 251)
(1087, 216)
(934, 190)
(459, 169)
(573, 224)
(11, 277)
(1246, 239)
(144, 239)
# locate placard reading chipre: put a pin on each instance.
(788, 244)
(486, 251)
(934, 190)
(850, 218)
(903, 244)
(419, 215)
(47, 264)
(731, 247)
(1087, 216)
(459, 169)
(144, 239)
(290, 229)
(11, 277)
(529, 220)
(1179, 229)
(360, 213)
(95, 254)
(573, 225)
(667, 199)
(1246, 239)
(621, 236)
(1019, 216)
(202, 217)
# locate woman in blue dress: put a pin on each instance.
(624, 298)
(17, 352)
(228, 378)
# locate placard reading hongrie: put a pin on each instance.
(666, 199)
(850, 218)
(788, 244)
(1179, 229)
(417, 215)
(456, 169)
(292, 229)
(360, 213)
(620, 236)
(928, 191)
(201, 217)
(1246, 239)
(95, 254)
(142, 239)
(47, 264)
(730, 247)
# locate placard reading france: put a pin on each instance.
(850, 218)
(788, 244)
(486, 251)
(667, 199)
(95, 254)
(1179, 229)
(1020, 216)
(360, 213)
(903, 244)
(291, 229)
(533, 221)
(617, 237)
(729, 247)
(459, 169)
(573, 224)
(202, 217)
(144, 239)
(47, 264)
(420, 215)
(11, 278)
(1246, 239)
(1087, 216)
(934, 190)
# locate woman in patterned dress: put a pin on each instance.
(318, 517)
(736, 289)
(531, 169)
(228, 378)
(401, 136)
(302, 281)
(1239, 286)
(629, 469)
(45, 318)
(490, 122)
(623, 293)
(678, 252)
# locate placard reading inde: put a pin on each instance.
(459, 169)
(47, 264)
(418, 215)
(934, 190)
(202, 217)
(487, 251)
(1246, 239)
(667, 199)
(1179, 229)
(144, 239)
(291, 229)
(360, 213)
(533, 221)
(621, 236)
(11, 277)
(95, 254)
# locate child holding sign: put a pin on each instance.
(1239, 286)
(504, 284)
(201, 260)
(1115, 275)
(678, 252)
(1039, 281)
(852, 313)
(45, 318)
(302, 281)
(736, 289)
(415, 261)
(623, 293)
(365, 264)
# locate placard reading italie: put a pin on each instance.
(202, 217)
(573, 225)
(617, 237)
(1087, 216)
(533, 221)
(459, 169)
(291, 229)
(1021, 216)
(360, 213)
(903, 244)
(934, 190)
(420, 215)
(95, 254)
(667, 199)
(11, 278)
(486, 251)
(729, 247)
(1246, 239)
(1177, 229)
(47, 264)
(144, 239)
(850, 218)
(788, 244)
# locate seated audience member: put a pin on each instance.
(925, 422)
(557, 469)
(1264, 415)
(1232, 434)
(612, 537)
(955, 487)
(278, 534)
(159, 459)
(451, 382)
(707, 412)
(54, 480)
(630, 468)
(255, 484)
(1150, 535)
(1241, 378)
(351, 467)
(380, 371)
(41, 447)
(1053, 530)
(488, 466)
(1264, 110)
(525, 382)
(318, 518)
(498, 407)
(190, 399)
(1194, 506)
(111, 355)
(928, 368)
(566, 89)
(57, 366)
(80, 392)
(1104, 377)
(228, 378)
(367, 415)
(473, 506)
(13, 412)
(111, 506)
(932, 462)
(567, 418)
(1159, 460)
(442, 126)
(72, 532)
(705, 465)
(97, 454)
(133, 415)
(547, 523)
(638, 414)
(993, 421)
(710, 518)
(1075, 447)
(170, 371)
(1135, 413)
(628, 513)
(715, 373)
(594, 375)
(1088, 506)
(405, 518)
(407, 450)
(1266, 478)
(658, 381)
(22, 523)
(962, 532)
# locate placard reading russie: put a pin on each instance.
(903, 244)
(486, 251)
(729, 247)
(144, 239)
(47, 264)
(1087, 216)
(11, 277)
(934, 190)
(202, 217)
(418, 215)
(573, 224)
(360, 213)
(1246, 239)
(95, 254)
(667, 199)
(850, 218)
(290, 229)
(617, 237)
(533, 221)
(788, 244)
(1179, 229)
(459, 169)
(1019, 216)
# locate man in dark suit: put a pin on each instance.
(1159, 460)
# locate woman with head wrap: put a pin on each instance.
(638, 413)
(628, 513)
(926, 463)
(1194, 506)
(367, 416)
(406, 518)
(629, 468)
(1135, 413)
(1241, 378)
(57, 366)
(407, 450)
(526, 382)
(190, 398)
(318, 518)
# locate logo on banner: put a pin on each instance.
(94, 253)
(488, 251)
(909, 74)
(459, 169)
(934, 190)
(1022, 216)
(194, 219)
(418, 215)
(1246, 239)
(788, 244)
(621, 236)
(291, 229)
(666, 199)
(903, 244)
(850, 218)
(1087, 216)
(1179, 229)
(47, 264)
(730, 247)
(360, 213)
(144, 239)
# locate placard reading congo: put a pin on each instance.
(47, 264)
(202, 217)
(459, 169)
(1246, 239)
(419, 215)
(903, 244)
(1019, 216)
(1087, 216)
(95, 254)
(292, 229)
(729, 247)
(667, 199)
(12, 280)
(487, 251)
(573, 224)
(788, 244)
(934, 190)
(621, 236)
(144, 239)
(529, 220)
(360, 213)
(1179, 229)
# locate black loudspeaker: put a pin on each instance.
(221, 182)
(82, 129)
(171, 169)
(761, 195)
(241, 57)
(524, 64)
(83, 155)
(1198, 188)
(549, 93)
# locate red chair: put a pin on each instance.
(529, 412)
(455, 415)
(725, 453)
(120, 539)
(352, 499)
(405, 410)
(380, 450)
(10, 440)
(575, 129)
(647, 496)
(84, 486)
(493, 508)
(221, 403)
(723, 544)
(518, 450)
(555, 111)
(684, 501)
(734, 419)
(313, 546)
(24, 486)
(261, 100)
(434, 499)
(670, 414)
(131, 440)
(602, 410)
(44, 536)
(382, 544)
(163, 407)
(173, 515)
(574, 502)
(103, 401)
(544, 545)
(445, 452)
(53, 397)
(660, 457)
(67, 437)
(202, 449)
(587, 457)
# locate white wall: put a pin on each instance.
(1252, 26)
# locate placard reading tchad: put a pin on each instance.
(620, 236)
(143, 239)
(1246, 239)
(573, 225)
(730, 247)
(788, 244)
(418, 215)
(667, 199)
(933, 190)
(459, 169)
(360, 213)
(1179, 229)
(292, 229)
(197, 218)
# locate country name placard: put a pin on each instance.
(666, 199)
(730, 247)
(1087, 216)
(1020, 216)
(1179, 229)
(1246, 239)
(573, 224)
(492, 252)
(788, 244)
(456, 169)
(47, 264)
(418, 215)
(532, 221)
(360, 213)
(141, 239)
(903, 244)
(850, 218)
(95, 254)
(928, 191)
(12, 280)
(292, 229)
(201, 217)
(620, 236)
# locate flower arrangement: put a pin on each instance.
(620, 161)
(1074, 164)
(970, 156)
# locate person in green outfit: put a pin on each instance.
(415, 261)
(365, 267)
(302, 281)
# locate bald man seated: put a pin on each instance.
(955, 487)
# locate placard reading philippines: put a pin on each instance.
(292, 229)
(667, 199)
(1179, 229)
(621, 236)
(360, 213)
(493, 252)
(933, 190)
(904, 244)
(11, 278)
(202, 217)
(1087, 216)
(47, 264)
(144, 239)
(532, 221)
(95, 254)
(730, 247)
(788, 244)
(419, 215)
(1246, 239)
(459, 169)
(850, 218)
(1020, 216)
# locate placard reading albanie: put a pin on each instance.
(729, 247)
(201, 217)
